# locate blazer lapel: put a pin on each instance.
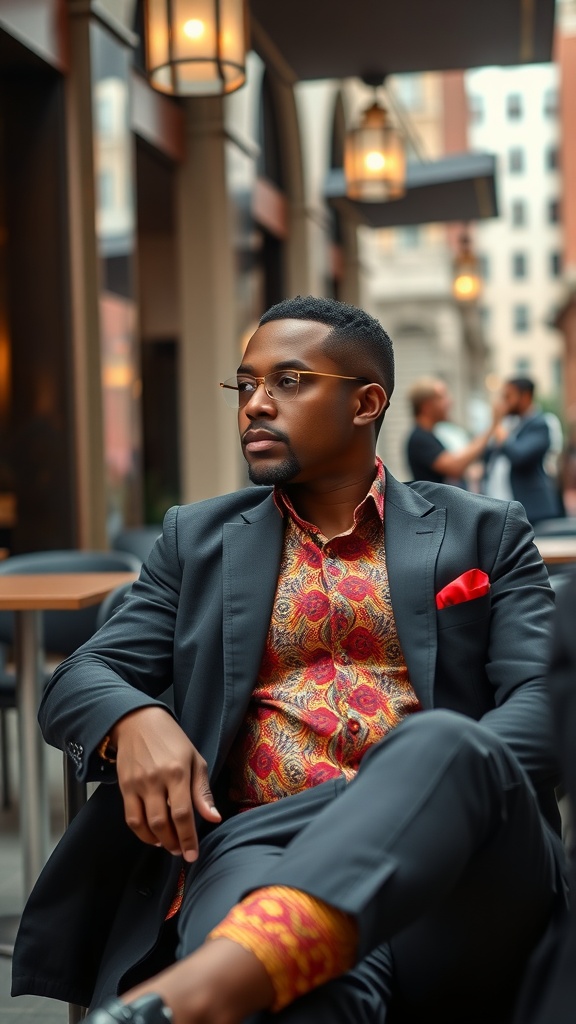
(413, 532)
(252, 549)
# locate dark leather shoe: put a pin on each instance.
(146, 1010)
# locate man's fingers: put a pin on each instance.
(157, 818)
(138, 820)
(201, 792)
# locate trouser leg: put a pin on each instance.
(235, 858)
(438, 844)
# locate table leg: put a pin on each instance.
(34, 808)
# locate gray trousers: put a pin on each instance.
(437, 848)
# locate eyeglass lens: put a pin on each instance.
(281, 386)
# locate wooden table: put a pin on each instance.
(557, 550)
(28, 596)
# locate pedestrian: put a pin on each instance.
(427, 455)
(515, 457)
(348, 810)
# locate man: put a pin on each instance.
(428, 457)
(515, 459)
(357, 670)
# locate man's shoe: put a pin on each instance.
(146, 1010)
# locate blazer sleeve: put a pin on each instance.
(561, 681)
(521, 623)
(125, 666)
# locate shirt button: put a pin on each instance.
(353, 726)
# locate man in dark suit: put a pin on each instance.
(357, 670)
(515, 456)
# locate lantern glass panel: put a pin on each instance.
(157, 33)
(193, 30)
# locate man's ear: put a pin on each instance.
(372, 401)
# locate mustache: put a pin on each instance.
(277, 434)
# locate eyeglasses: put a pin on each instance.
(280, 386)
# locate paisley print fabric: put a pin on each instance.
(333, 680)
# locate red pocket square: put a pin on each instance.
(469, 585)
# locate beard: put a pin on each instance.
(282, 473)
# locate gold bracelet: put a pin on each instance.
(105, 751)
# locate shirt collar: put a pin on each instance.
(374, 499)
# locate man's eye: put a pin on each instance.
(246, 387)
(287, 381)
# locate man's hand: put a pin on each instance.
(163, 779)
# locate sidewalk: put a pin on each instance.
(25, 1009)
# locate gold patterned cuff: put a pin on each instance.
(105, 751)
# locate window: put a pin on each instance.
(555, 264)
(476, 106)
(106, 189)
(551, 103)
(519, 265)
(514, 106)
(408, 89)
(553, 211)
(521, 321)
(518, 213)
(551, 159)
(516, 160)
(484, 266)
(522, 366)
(409, 237)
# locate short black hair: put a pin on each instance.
(357, 341)
(524, 384)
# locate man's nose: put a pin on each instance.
(260, 403)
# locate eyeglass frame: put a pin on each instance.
(299, 373)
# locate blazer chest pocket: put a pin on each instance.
(465, 613)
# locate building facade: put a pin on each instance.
(514, 112)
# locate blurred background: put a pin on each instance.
(168, 170)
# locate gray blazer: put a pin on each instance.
(197, 619)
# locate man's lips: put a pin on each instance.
(260, 440)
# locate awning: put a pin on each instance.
(456, 188)
(340, 39)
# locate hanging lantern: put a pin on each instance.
(374, 158)
(467, 282)
(196, 47)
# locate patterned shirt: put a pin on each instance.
(332, 680)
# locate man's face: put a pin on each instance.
(438, 405)
(512, 400)
(309, 437)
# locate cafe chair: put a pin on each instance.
(138, 539)
(563, 526)
(64, 631)
(111, 602)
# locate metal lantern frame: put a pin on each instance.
(377, 136)
(229, 68)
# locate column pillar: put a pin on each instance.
(84, 282)
(209, 348)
